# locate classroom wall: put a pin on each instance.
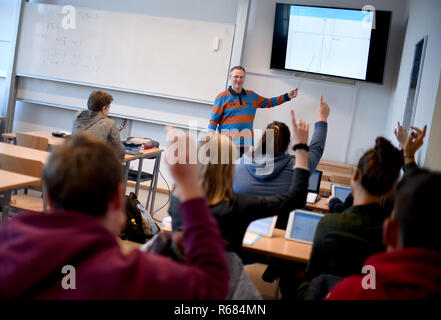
(358, 112)
(424, 19)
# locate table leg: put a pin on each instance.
(155, 182)
(5, 205)
(126, 175)
(138, 176)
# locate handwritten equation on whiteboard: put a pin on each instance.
(163, 56)
(63, 48)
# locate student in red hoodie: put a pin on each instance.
(411, 266)
(72, 252)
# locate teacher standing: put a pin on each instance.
(234, 109)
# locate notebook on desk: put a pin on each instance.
(314, 186)
(302, 225)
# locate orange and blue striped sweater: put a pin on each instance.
(233, 113)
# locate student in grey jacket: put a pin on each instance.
(95, 121)
(249, 178)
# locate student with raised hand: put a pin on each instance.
(95, 121)
(343, 241)
(73, 253)
(234, 212)
(411, 266)
(250, 179)
(336, 205)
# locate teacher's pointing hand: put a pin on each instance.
(293, 93)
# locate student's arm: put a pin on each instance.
(318, 140)
(260, 207)
(205, 273)
(203, 276)
(336, 205)
(115, 140)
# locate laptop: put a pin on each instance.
(340, 192)
(263, 227)
(314, 186)
(302, 225)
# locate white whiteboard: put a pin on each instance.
(152, 55)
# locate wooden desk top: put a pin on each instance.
(320, 206)
(23, 152)
(52, 140)
(145, 153)
(3, 117)
(11, 180)
(278, 246)
(55, 141)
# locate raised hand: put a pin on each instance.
(414, 142)
(301, 130)
(323, 110)
(401, 134)
(181, 157)
(293, 93)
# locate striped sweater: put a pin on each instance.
(233, 114)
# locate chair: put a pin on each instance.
(31, 141)
(28, 167)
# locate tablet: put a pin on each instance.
(314, 186)
(340, 192)
(314, 182)
(301, 225)
(264, 227)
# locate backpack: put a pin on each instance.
(140, 225)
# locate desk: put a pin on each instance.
(10, 181)
(319, 206)
(53, 141)
(23, 152)
(152, 153)
(279, 247)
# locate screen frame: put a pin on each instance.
(377, 55)
(317, 190)
(291, 223)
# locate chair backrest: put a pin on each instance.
(28, 167)
(31, 141)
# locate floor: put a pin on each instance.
(254, 271)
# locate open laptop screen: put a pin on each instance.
(301, 225)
